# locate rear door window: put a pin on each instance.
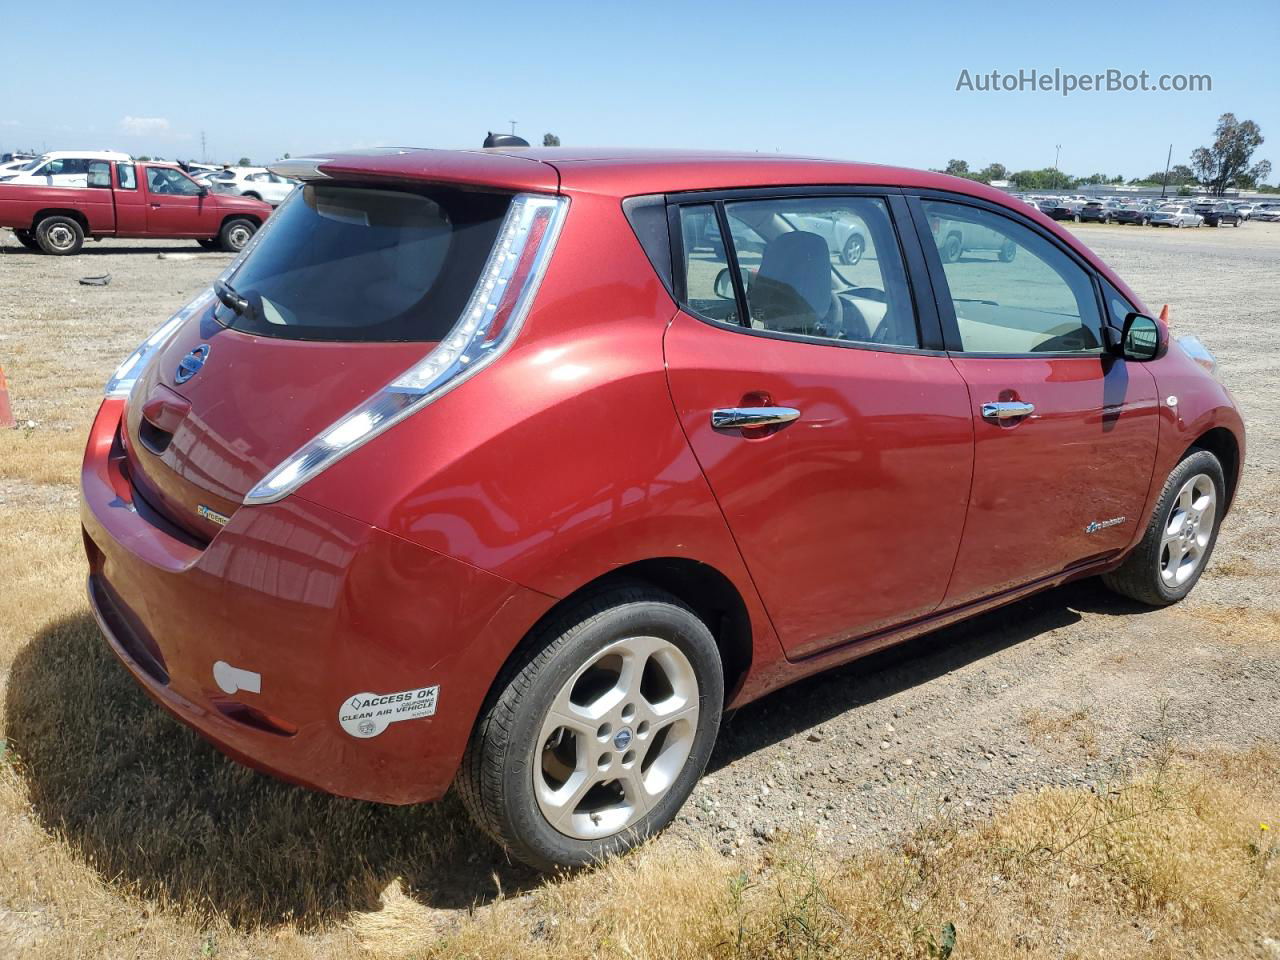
(362, 264)
(824, 267)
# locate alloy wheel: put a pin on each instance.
(1188, 530)
(616, 737)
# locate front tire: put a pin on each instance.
(59, 236)
(593, 740)
(27, 239)
(1180, 537)
(236, 234)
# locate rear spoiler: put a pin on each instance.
(465, 169)
(308, 168)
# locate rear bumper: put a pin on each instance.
(320, 608)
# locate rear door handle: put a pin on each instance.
(1007, 410)
(728, 418)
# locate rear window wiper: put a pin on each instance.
(227, 294)
(989, 303)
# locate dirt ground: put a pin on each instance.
(104, 800)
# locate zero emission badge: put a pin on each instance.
(365, 715)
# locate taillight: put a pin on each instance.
(489, 322)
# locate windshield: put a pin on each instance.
(32, 164)
(364, 264)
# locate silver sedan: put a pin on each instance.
(1175, 215)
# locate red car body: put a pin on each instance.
(117, 211)
(586, 450)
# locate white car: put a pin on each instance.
(61, 168)
(256, 182)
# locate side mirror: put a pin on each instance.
(724, 285)
(204, 191)
(1143, 338)
(724, 282)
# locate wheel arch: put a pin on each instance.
(1222, 443)
(710, 594)
(47, 212)
(252, 218)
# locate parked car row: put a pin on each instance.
(1156, 212)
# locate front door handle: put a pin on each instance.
(729, 418)
(1007, 410)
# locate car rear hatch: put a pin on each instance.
(351, 287)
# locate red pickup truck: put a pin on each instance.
(127, 199)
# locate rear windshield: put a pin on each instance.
(362, 264)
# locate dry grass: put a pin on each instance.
(1058, 727)
(1175, 863)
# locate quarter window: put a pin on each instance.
(1014, 292)
(708, 288)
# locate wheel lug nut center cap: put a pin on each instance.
(622, 739)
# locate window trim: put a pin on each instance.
(119, 180)
(942, 290)
(928, 328)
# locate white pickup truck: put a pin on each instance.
(62, 168)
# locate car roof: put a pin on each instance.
(86, 154)
(632, 172)
(622, 172)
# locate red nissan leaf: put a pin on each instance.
(513, 469)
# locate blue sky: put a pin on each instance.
(860, 81)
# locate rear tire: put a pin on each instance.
(637, 676)
(236, 234)
(1180, 537)
(59, 236)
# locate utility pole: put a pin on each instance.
(1167, 161)
(1057, 153)
(204, 154)
(513, 127)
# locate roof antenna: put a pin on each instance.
(504, 140)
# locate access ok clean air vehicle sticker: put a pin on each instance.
(366, 715)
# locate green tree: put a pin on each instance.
(994, 171)
(1046, 178)
(1221, 164)
(957, 168)
(244, 162)
(550, 140)
(144, 158)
